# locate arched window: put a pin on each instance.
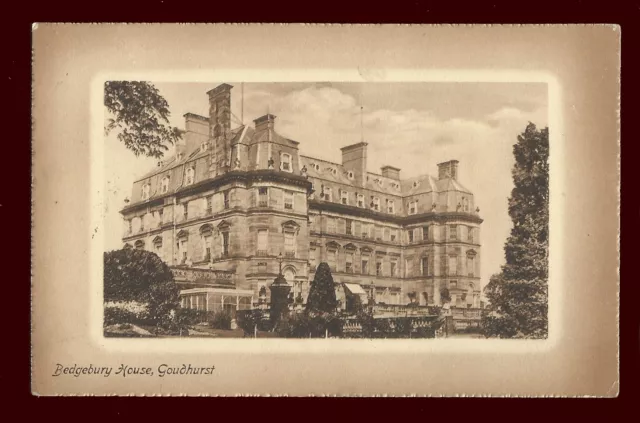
(139, 244)
(190, 176)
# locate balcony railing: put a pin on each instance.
(290, 254)
(466, 313)
(262, 253)
(263, 203)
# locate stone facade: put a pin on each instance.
(234, 199)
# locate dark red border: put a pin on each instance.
(15, 207)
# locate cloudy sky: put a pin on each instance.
(412, 126)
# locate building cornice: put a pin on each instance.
(245, 177)
(397, 219)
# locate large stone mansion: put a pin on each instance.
(231, 200)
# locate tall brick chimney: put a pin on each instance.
(265, 123)
(448, 170)
(354, 158)
(220, 124)
(390, 172)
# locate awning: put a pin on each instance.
(355, 288)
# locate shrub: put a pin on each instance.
(188, 317)
(221, 320)
(117, 315)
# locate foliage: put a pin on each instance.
(322, 293)
(185, 317)
(117, 315)
(445, 295)
(249, 319)
(221, 320)
(518, 295)
(141, 116)
(138, 275)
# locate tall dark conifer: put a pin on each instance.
(518, 295)
(322, 293)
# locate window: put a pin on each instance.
(413, 207)
(225, 244)
(285, 162)
(262, 267)
(425, 233)
(327, 193)
(470, 265)
(365, 265)
(142, 223)
(190, 176)
(376, 203)
(312, 259)
(164, 186)
(226, 199)
(453, 232)
(207, 247)
(185, 211)
(349, 262)
(158, 247)
(344, 197)
(379, 268)
(182, 248)
(386, 234)
(465, 204)
(408, 268)
(410, 235)
(129, 226)
(288, 200)
(470, 234)
(160, 214)
(263, 242)
(361, 200)
(453, 284)
(424, 264)
(378, 233)
(358, 228)
(331, 225)
(332, 258)
(146, 188)
(289, 244)
(349, 227)
(365, 230)
(263, 200)
(453, 265)
(350, 174)
(139, 245)
(391, 208)
(393, 267)
(394, 235)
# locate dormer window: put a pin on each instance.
(413, 207)
(416, 184)
(350, 175)
(391, 208)
(146, 189)
(164, 185)
(376, 203)
(360, 200)
(190, 176)
(344, 197)
(327, 194)
(285, 162)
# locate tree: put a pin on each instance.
(322, 293)
(141, 276)
(141, 115)
(518, 295)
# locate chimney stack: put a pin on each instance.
(354, 158)
(390, 172)
(265, 123)
(448, 170)
(220, 124)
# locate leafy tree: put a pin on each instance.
(141, 116)
(518, 295)
(139, 275)
(322, 293)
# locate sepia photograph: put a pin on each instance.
(327, 209)
(419, 210)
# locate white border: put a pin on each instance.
(331, 346)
